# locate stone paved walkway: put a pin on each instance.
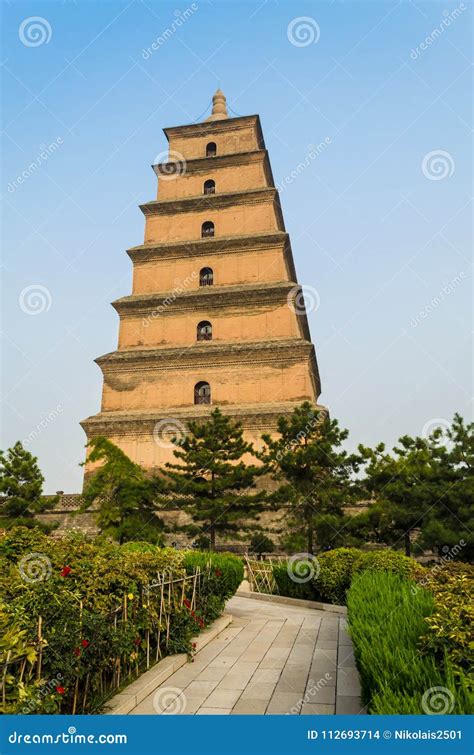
(272, 659)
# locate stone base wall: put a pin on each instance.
(274, 523)
(65, 514)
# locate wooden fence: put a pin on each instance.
(260, 574)
(168, 595)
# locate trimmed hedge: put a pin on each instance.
(291, 588)
(334, 571)
(387, 619)
(224, 573)
(96, 607)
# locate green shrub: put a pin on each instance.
(335, 569)
(334, 575)
(260, 543)
(98, 607)
(387, 618)
(291, 588)
(450, 624)
(338, 567)
(388, 561)
(224, 573)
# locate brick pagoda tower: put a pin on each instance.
(216, 317)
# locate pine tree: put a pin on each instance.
(317, 474)
(449, 523)
(21, 483)
(125, 495)
(211, 481)
(405, 484)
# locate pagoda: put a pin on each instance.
(216, 317)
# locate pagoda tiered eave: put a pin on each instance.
(206, 353)
(208, 296)
(262, 417)
(201, 164)
(211, 202)
(213, 245)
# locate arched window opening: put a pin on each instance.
(202, 393)
(211, 149)
(206, 276)
(209, 187)
(204, 331)
(207, 229)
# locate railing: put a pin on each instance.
(167, 596)
(260, 574)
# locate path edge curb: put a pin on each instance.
(133, 694)
(298, 602)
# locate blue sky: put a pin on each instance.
(379, 221)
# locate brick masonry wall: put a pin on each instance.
(272, 522)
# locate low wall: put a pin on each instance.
(272, 522)
(65, 513)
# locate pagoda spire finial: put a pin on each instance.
(219, 107)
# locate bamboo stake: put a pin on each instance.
(159, 624)
(85, 694)
(76, 692)
(4, 681)
(76, 686)
(23, 666)
(193, 597)
(40, 644)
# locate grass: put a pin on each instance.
(386, 616)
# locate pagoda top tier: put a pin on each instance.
(218, 122)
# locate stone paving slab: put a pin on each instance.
(273, 659)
